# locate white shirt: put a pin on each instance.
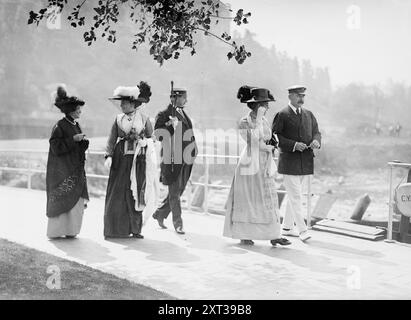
(294, 108)
(295, 111)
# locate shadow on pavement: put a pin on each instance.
(209, 242)
(342, 251)
(158, 250)
(84, 249)
(298, 257)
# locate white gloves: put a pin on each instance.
(107, 163)
(271, 168)
(172, 122)
(260, 114)
(142, 143)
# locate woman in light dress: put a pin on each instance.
(252, 205)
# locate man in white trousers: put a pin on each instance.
(298, 135)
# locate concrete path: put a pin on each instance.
(204, 265)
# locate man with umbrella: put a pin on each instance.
(174, 129)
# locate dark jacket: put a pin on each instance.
(291, 128)
(65, 178)
(184, 150)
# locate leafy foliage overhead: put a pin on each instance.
(167, 26)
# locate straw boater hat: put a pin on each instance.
(141, 92)
(178, 92)
(66, 103)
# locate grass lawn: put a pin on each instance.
(23, 275)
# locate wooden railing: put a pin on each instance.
(30, 171)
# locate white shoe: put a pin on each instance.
(304, 236)
(290, 233)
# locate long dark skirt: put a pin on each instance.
(120, 217)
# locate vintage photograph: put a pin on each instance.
(193, 150)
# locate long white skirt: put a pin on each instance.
(252, 207)
(67, 224)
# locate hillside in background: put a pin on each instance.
(34, 60)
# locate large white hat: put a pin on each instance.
(122, 92)
(140, 92)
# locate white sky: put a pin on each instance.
(317, 30)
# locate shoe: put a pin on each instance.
(281, 241)
(247, 242)
(138, 236)
(304, 236)
(70, 237)
(180, 230)
(290, 233)
(161, 224)
(160, 221)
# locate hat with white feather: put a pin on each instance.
(141, 92)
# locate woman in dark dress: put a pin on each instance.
(128, 147)
(66, 183)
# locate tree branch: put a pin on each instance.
(214, 35)
(218, 17)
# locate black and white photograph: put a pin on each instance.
(205, 150)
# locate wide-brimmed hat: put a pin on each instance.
(260, 95)
(141, 92)
(244, 93)
(66, 103)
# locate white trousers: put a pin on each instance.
(293, 214)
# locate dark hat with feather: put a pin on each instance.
(66, 103)
(248, 94)
(244, 93)
(261, 95)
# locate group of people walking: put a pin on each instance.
(132, 189)
(252, 206)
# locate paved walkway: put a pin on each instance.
(204, 265)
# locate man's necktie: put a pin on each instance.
(299, 114)
(180, 111)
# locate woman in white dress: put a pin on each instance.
(252, 205)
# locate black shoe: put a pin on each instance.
(281, 241)
(160, 221)
(138, 236)
(180, 230)
(70, 237)
(247, 242)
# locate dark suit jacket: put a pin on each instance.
(185, 148)
(290, 128)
